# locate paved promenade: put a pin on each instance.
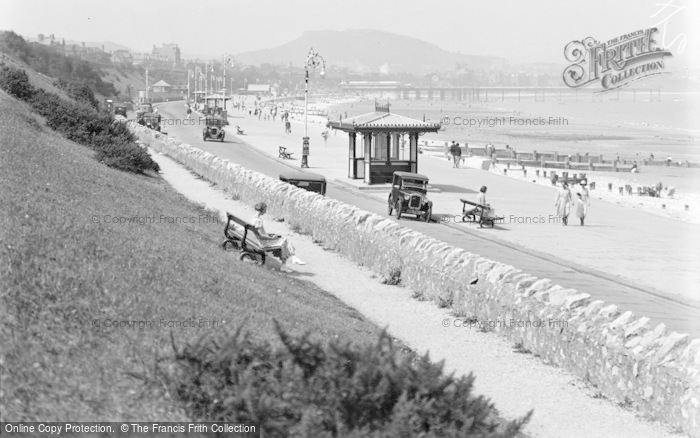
(641, 262)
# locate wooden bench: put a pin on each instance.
(478, 213)
(239, 235)
(284, 154)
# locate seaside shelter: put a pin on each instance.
(381, 143)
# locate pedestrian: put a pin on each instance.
(274, 240)
(562, 203)
(287, 127)
(659, 187)
(585, 196)
(580, 208)
(447, 151)
(189, 112)
(456, 155)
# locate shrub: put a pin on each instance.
(80, 122)
(16, 83)
(126, 156)
(304, 389)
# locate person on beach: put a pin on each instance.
(580, 208)
(659, 187)
(273, 240)
(456, 155)
(287, 127)
(585, 196)
(562, 203)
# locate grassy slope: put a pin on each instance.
(60, 270)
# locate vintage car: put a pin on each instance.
(312, 182)
(214, 128)
(120, 109)
(143, 108)
(151, 120)
(409, 195)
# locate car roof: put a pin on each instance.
(411, 175)
(303, 176)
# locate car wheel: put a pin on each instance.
(397, 207)
(428, 214)
(389, 207)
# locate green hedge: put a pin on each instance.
(306, 389)
(112, 141)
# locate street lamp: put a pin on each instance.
(313, 60)
(197, 77)
(190, 75)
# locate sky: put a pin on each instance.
(520, 31)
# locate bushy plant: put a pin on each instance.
(112, 141)
(306, 389)
(126, 156)
(15, 82)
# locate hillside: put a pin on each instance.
(66, 261)
(368, 50)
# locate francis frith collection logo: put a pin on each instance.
(616, 62)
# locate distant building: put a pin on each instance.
(169, 52)
(161, 87)
(122, 57)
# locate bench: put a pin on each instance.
(284, 154)
(239, 131)
(477, 213)
(242, 236)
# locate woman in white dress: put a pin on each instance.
(274, 240)
(562, 202)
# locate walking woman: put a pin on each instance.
(562, 202)
(273, 240)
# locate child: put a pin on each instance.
(580, 208)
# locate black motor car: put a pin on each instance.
(312, 182)
(214, 128)
(409, 195)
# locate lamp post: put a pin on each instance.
(189, 76)
(313, 60)
(197, 77)
(227, 62)
(207, 68)
(146, 84)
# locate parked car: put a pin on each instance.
(312, 182)
(409, 195)
(151, 120)
(120, 109)
(143, 108)
(214, 128)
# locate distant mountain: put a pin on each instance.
(367, 50)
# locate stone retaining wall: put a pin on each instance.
(630, 361)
